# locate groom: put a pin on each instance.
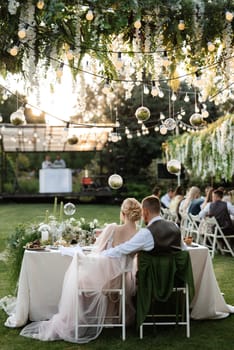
(159, 235)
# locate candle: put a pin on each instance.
(44, 235)
(55, 206)
(46, 216)
(61, 211)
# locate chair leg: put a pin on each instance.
(123, 308)
(141, 332)
(187, 313)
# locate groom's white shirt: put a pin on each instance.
(142, 240)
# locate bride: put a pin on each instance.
(94, 272)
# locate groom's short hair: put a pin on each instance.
(152, 203)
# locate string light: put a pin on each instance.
(181, 25)
(14, 50)
(154, 90)
(166, 61)
(210, 46)
(40, 4)
(186, 98)
(70, 55)
(59, 72)
(89, 15)
(163, 129)
(119, 62)
(106, 89)
(229, 16)
(137, 24)
(22, 33)
(161, 94)
(173, 97)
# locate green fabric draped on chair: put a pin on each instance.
(158, 275)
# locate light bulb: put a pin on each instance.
(14, 50)
(119, 62)
(137, 24)
(89, 15)
(106, 88)
(210, 46)
(186, 98)
(181, 25)
(166, 62)
(22, 33)
(161, 94)
(173, 97)
(59, 72)
(163, 130)
(40, 4)
(154, 91)
(229, 16)
(70, 55)
(205, 113)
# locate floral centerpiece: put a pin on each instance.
(67, 232)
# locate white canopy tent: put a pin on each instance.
(44, 138)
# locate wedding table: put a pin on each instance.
(41, 280)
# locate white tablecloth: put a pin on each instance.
(42, 274)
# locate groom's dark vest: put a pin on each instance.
(166, 235)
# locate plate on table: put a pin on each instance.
(53, 247)
(87, 248)
(35, 249)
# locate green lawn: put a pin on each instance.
(213, 335)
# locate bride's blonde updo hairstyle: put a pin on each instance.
(131, 208)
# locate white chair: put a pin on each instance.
(212, 236)
(167, 214)
(185, 224)
(194, 227)
(151, 317)
(99, 321)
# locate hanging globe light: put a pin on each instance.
(69, 209)
(72, 140)
(170, 123)
(174, 166)
(115, 181)
(18, 117)
(196, 119)
(142, 113)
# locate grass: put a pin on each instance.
(207, 334)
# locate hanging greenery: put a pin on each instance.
(208, 153)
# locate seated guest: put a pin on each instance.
(221, 210)
(156, 191)
(166, 198)
(46, 163)
(159, 236)
(59, 162)
(208, 191)
(176, 200)
(192, 202)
